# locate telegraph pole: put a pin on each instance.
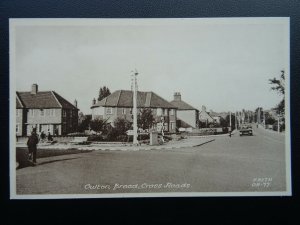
(230, 119)
(235, 121)
(134, 89)
(278, 125)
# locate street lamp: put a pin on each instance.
(134, 89)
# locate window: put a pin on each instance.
(172, 125)
(172, 112)
(165, 111)
(108, 110)
(42, 112)
(17, 128)
(17, 112)
(64, 113)
(52, 112)
(131, 110)
(31, 112)
(159, 111)
(124, 111)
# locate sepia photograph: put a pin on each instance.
(110, 108)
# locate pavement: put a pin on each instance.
(184, 143)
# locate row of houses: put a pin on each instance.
(49, 112)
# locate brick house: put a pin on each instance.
(187, 115)
(46, 111)
(120, 103)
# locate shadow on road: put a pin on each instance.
(28, 163)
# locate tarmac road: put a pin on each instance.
(236, 164)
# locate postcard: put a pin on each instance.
(185, 107)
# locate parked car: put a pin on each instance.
(246, 130)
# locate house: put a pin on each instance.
(120, 103)
(187, 115)
(46, 111)
(218, 118)
(204, 116)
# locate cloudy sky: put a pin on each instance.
(223, 64)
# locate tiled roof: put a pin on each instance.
(43, 99)
(181, 105)
(124, 98)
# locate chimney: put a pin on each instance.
(94, 101)
(203, 108)
(75, 103)
(177, 96)
(34, 89)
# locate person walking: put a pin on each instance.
(32, 142)
(49, 136)
(43, 136)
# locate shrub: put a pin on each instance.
(112, 134)
(143, 137)
(95, 138)
(122, 138)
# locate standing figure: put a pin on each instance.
(43, 136)
(32, 142)
(50, 137)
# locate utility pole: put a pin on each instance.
(278, 125)
(235, 121)
(230, 120)
(264, 119)
(134, 89)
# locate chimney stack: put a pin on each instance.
(75, 103)
(34, 89)
(94, 101)
(177, 96)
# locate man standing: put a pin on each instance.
(33, 140)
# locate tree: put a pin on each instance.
(232, 121)
(103, 92)
(97, 125)
(259, 114)
(121, 125)
(269, 120)
(84, 122)
(145, 118)
(278, 85)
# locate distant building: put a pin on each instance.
(218, 117)
(46, 111)
(187, 115)
(120, 103)
(204, 116)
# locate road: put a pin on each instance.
(236, 164)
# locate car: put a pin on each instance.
(246, 130)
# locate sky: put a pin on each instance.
(224, 64)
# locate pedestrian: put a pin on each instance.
(43, 136)
(50, 137)
(32, 142)
(229, 133)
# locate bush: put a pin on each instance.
(122, 138)
(143, 137)
(95, 138)
(112, 134)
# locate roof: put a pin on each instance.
(221, 114)
(181, 105)
(124, 98)
(42, 99)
